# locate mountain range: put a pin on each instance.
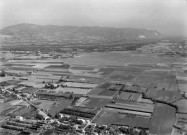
(83, 33)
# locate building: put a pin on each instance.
(43, 115)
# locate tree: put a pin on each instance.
(71, 96)
(57, 115)
(49, 115)
(2, 74)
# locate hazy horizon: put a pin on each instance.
(169, 17)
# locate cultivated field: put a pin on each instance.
(108, 117)
(95, 102)
(74, 90)
(162, 120)
(60, 105)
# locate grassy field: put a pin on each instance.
(99, 90)
(162, 120)
(107, 117)
(59, 106)
(182, 105)
(107, 93)
(4, 106)
(182, 87)
(29, 68)
(106, 71)
(9, 82)
(122, 77)
(162, 95)
(24, 111)
(94, 80)
(82, 68)
(95, 102)
(74, 90)
(12, 64)
(44, 104)
(34, 84)
(160, 79)
(80, 85)
(129, 96)
(117, 58)
(65, 66)
(29, 90)
(135, 106)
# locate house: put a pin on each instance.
(19, 118)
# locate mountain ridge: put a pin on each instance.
(81, 33)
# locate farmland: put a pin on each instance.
(4, 107)
(60, 105)
(124, 89)
(74, 90)
(182, 105)
(139, 107)
(162, 120)
(95, 102)
(181, 120)
(107, 117)
(44, 104)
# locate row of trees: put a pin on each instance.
(13, 127)
(77, 113)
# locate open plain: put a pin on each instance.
(131, 89)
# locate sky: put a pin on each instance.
(169, 17)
